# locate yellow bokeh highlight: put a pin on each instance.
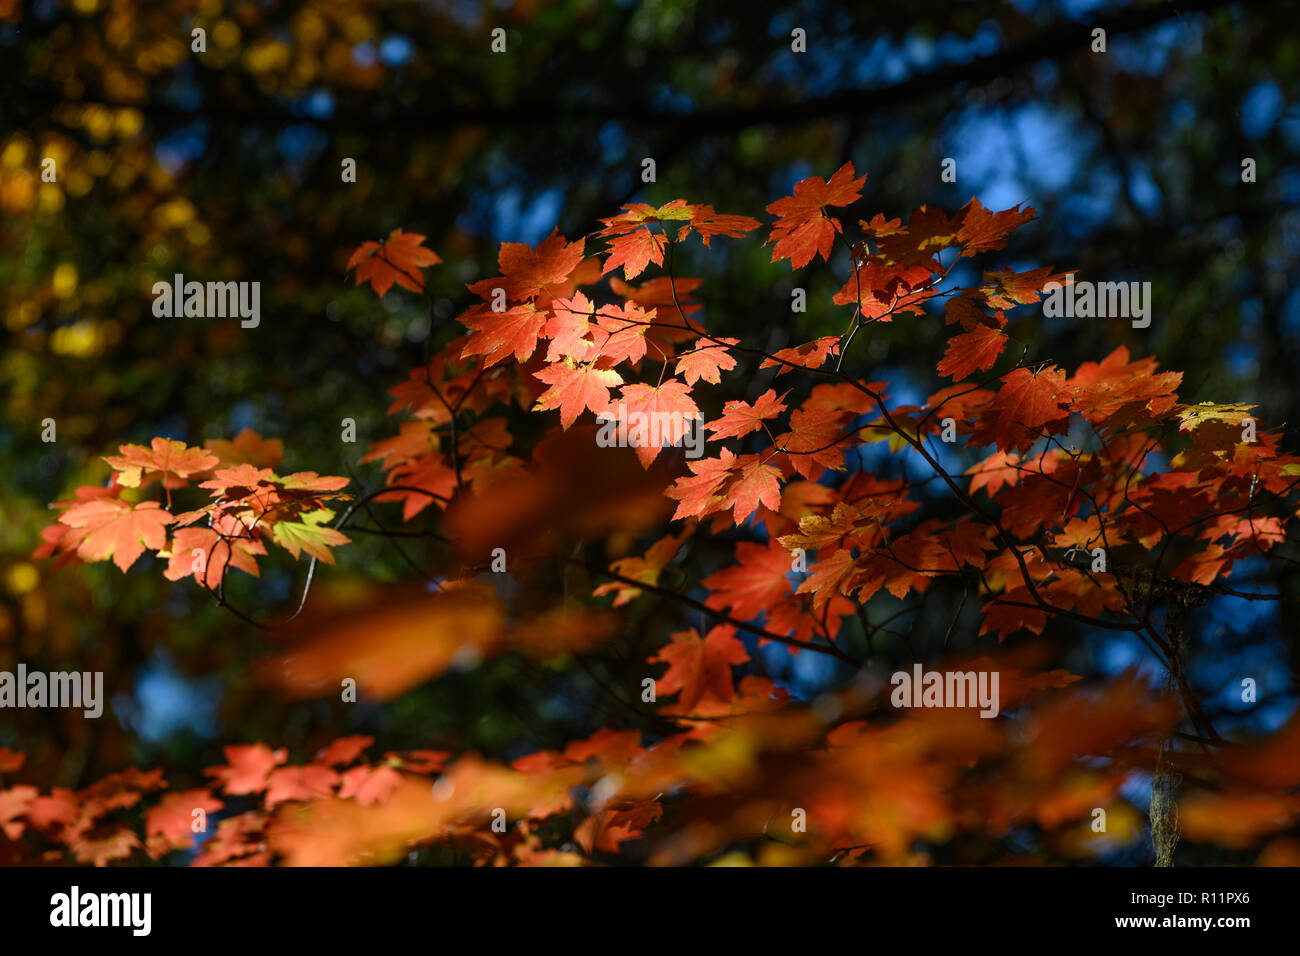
(15, 154)
(226, 33)
(128, 122)
(22, 578)
(65, 280)
(267, 57)
(176, 212)
(50, 198)
(81, 339)
(97, 121)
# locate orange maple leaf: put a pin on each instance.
(398, 259)
(110, 528)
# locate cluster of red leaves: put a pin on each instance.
(556, 332)
(247, 505)
(869, 789)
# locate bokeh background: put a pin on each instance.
(225, 165)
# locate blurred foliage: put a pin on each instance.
(225, 165)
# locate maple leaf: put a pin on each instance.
(992, 473)
(802, 229)
(172, 461)
(14, 804)
(498, 334)
(809, 355)
(666, 408)
(1193, 417)
(1005, 619)
(102, 845)
(609, 829)
(739, 418)
(755, 483)
(814, 441)
(205, 554)
(431, 473)
(109, 527)
(828, 577)
(1207, 566)
(398, 259)
(412, 440)
(700, 668)
(634, 245)
(881, 290)
(634, 251)
(706, 362)
(247, 767)
(1102, 389)
(645, 569)
(240, 482)
(248, 447)
(344, 750)
(965, 311)
(1025, 403)
(1006, 288)
(568, 328)
(675, 292)
(575, 389)
(968, 351)
(300, 783)
(758, 581)
(700, 492)
(982, 231)
(525, 272)
(369, 785)
(619, 334)
(173, 818)
(707, 222)
(309, 534)
(309, 481)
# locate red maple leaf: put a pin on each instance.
(398, 259)
(498, 334)
(1026, 402)
(705, 362)
(803, 230)
(172, 461)
(968, 351)
(575, 389)
(525, 272)
(739, 418)
(655, 416)
(755, 583)
(247, 767)
(110, 528)
(700, 668)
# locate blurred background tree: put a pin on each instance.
(226, 165)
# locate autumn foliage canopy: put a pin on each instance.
(1089, 496)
